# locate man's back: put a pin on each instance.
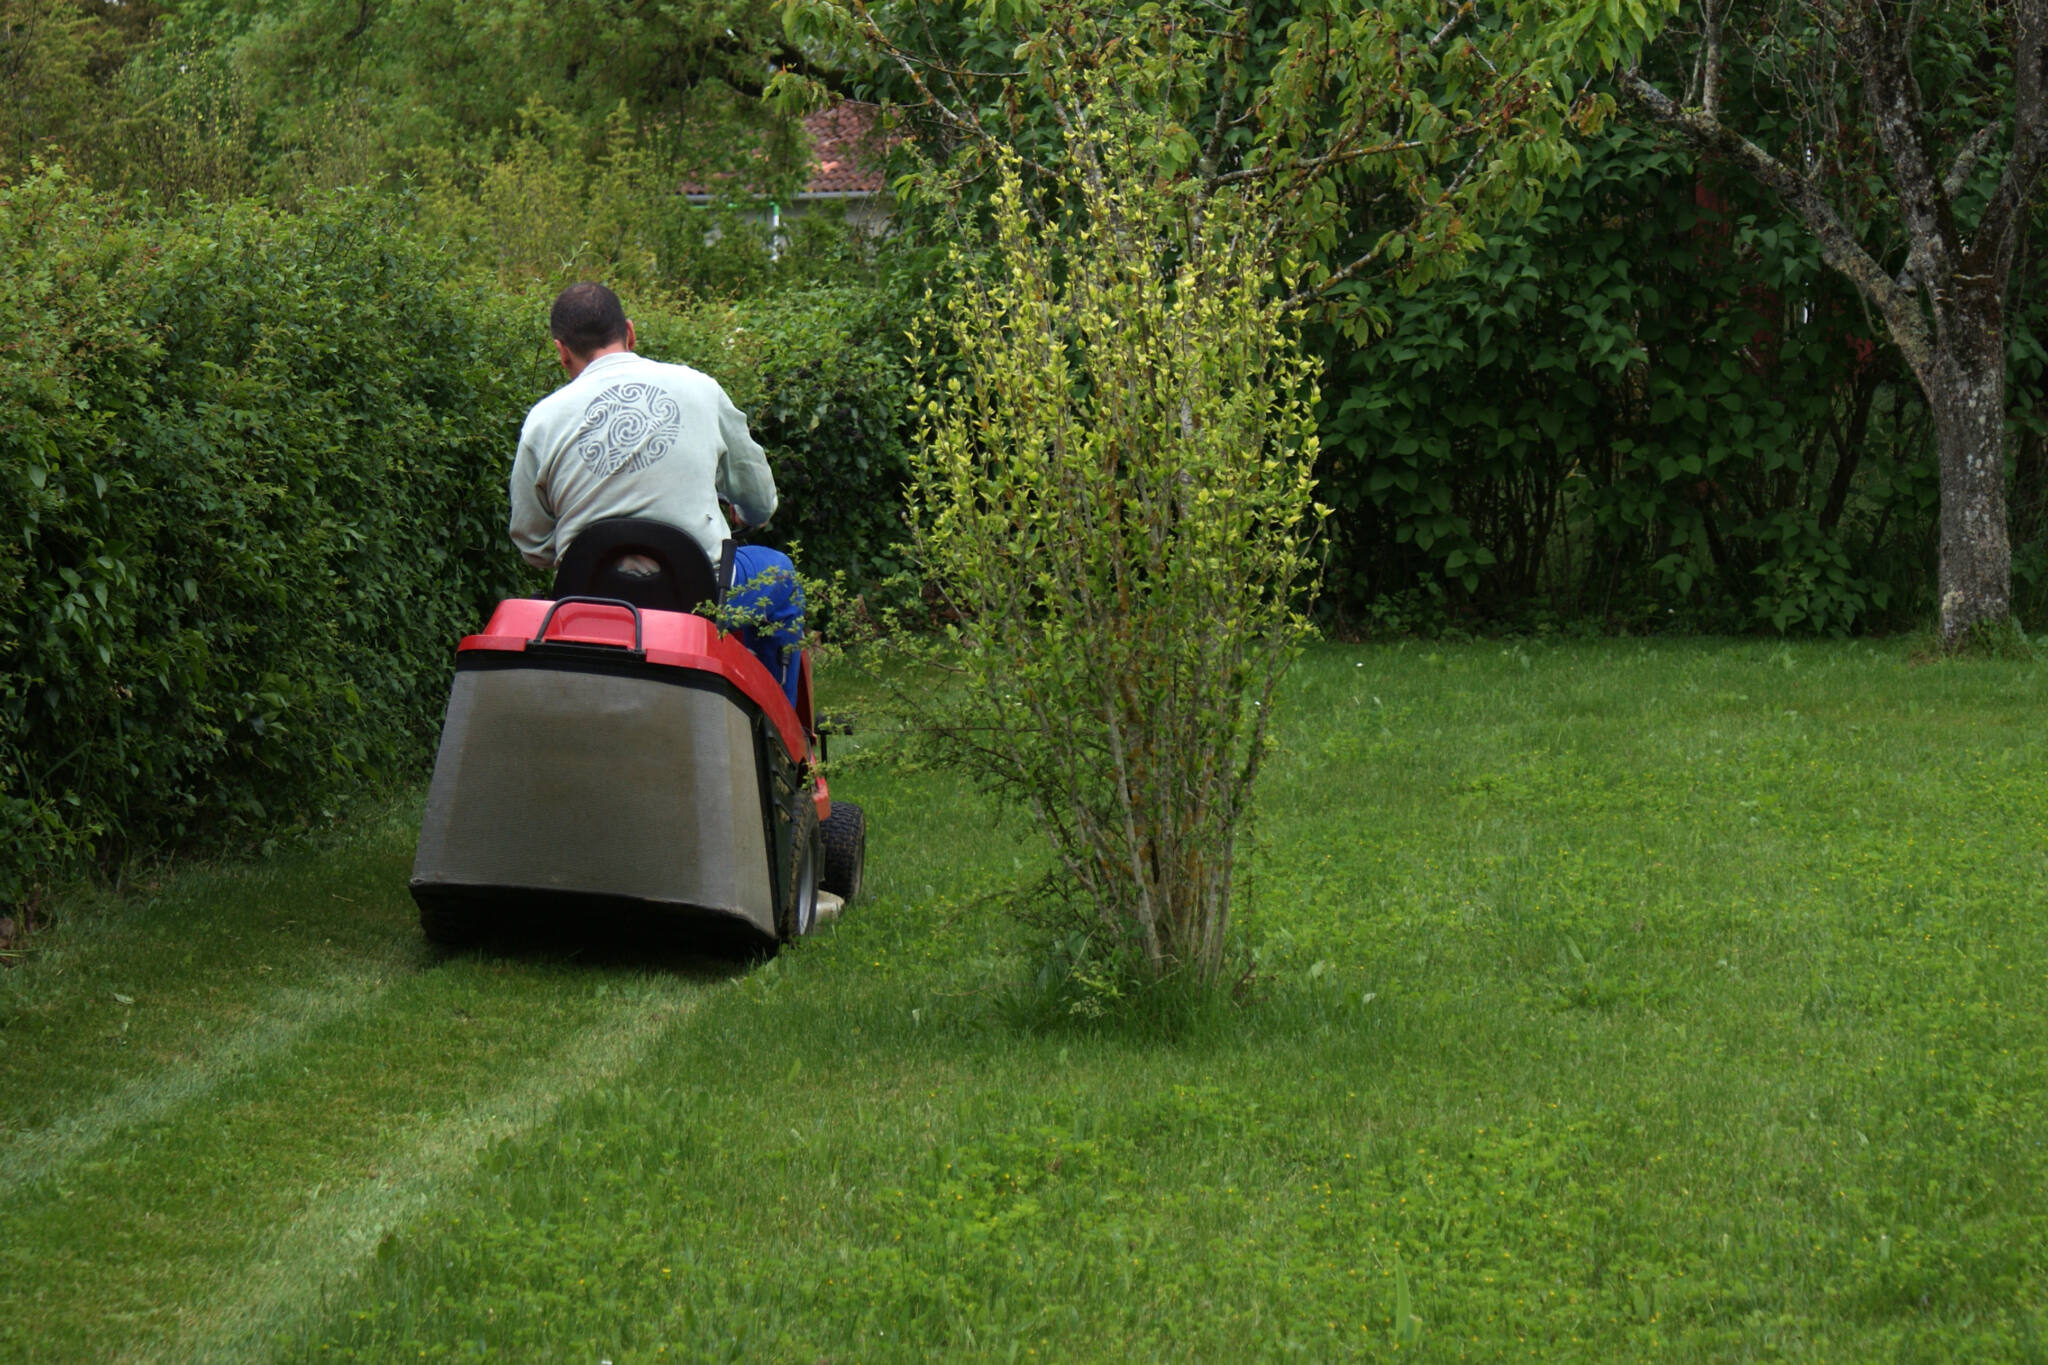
(631, 437)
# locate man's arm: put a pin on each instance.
(744, 478)
(533, 520)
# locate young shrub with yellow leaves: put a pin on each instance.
(1112, 493)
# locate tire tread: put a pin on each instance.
(845, 833)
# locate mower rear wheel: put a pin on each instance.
(845, 833)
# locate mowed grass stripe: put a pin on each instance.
(128, 987)
(285, 1019)
(110, 1249)
(248, 1306)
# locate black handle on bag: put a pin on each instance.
(725, 558)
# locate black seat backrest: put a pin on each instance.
(687, 578)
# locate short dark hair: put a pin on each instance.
(587, 318)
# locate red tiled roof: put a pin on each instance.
(845, 153)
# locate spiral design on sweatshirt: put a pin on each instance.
(627, 427)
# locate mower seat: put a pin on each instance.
(684, 578)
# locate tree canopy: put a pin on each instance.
(1439, 116)
(418, 72)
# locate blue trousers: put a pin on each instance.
(766, 605)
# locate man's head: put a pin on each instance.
(588, 321)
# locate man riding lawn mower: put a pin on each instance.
(609, 750)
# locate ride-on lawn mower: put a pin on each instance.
(611, 753)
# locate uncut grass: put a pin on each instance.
(1616, 1001)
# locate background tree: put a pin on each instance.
(348, 84)
(1448, 115)
(1908, 139)
(1648, 405)
(59, 59)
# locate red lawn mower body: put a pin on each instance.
(606, 758)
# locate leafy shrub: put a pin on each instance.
(251, 475)
(1111, 490)
(177, 122)
(549, 204)
(58, 60)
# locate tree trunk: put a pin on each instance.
(1966, 393)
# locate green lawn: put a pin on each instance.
(1673, 1001)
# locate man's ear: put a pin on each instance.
(562, 354)
(629, 334)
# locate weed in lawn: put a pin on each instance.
(1073, 984)
(1577, 981)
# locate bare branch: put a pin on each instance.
(1465, 171)
(1960, 169)
(1918, 264)
(1710, 57)
(1339, 277)
(1877, 43)
(1998, 230)
(1314, 292)
(1315, 163)
(1453, 26)
(1254, 109)
(1220, 126)
(968, 123)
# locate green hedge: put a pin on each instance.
(252, 489)
(251, 475)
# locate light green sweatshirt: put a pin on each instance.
(631, 437)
